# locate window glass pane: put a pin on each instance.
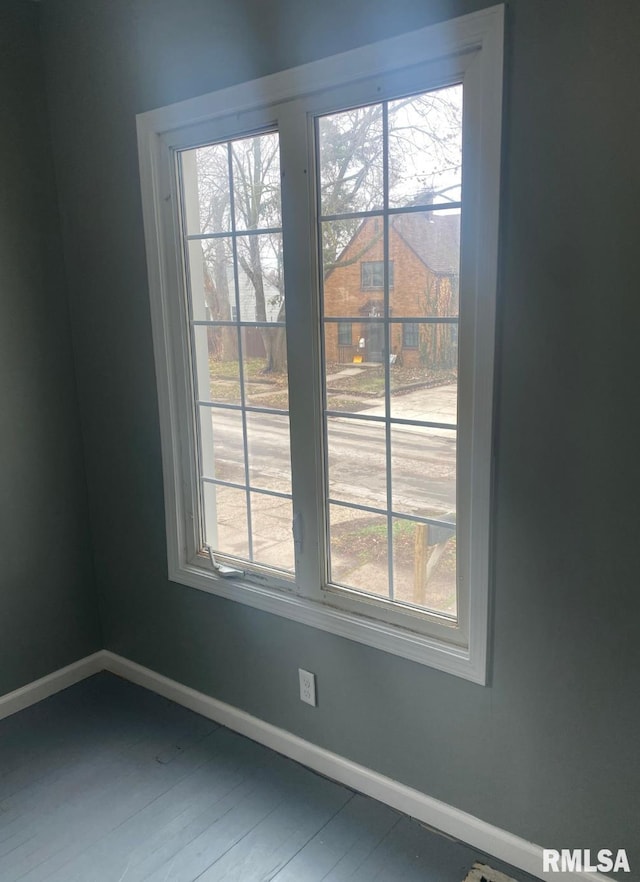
(423, 471)
(357, 465)
(226, 520)
(269, 453)
(425, 248)
(424, 378)
(424, 565)
(264, 363)
(359, 550)
(256, 182)
(354, 376)
(351, 250)
(205, 180)
(425, 148)
(271, 518)
(260, 279)
(351, 168)
(210, 268)
(222, 444)
(216, 354)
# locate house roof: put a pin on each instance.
(435, 238)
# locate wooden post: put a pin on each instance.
(421, 556)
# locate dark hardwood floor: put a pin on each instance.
(107, 782)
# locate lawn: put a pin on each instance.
(261, 389)
(350, 392)
(253, 369)
(360, 552)
(370, 381)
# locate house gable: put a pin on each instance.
(418, 289)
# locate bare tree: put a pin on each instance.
(423, 153)
(256, 179)
(216, 257)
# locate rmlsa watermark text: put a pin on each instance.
(580, 860)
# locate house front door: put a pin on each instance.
(375, 343)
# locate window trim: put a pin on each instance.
(479, 36)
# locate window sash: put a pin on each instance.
(372, 275)
(248, 495)
(472, 44)
(424, 621)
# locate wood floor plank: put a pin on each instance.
(91, 769)
(131, 847)
(85, 728)
(405, 852)
(41, 820)
(188, 841)
(272, 843)
(278, 812)
(80, 817)
(344, 844)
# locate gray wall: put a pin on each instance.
(550, 750)
(48, 609)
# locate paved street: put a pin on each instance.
(423, 471)
(423, 459)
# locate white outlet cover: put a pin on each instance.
(307, 687)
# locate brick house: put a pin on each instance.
(424, 256)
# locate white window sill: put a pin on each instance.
(461, 662)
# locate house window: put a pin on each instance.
(344, 334)
(410, 335)
(372, 274)
(332, 496)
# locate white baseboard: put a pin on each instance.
(479, 834)
(27, 695)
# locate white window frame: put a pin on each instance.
(467, 49)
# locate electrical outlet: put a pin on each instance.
(307, 687)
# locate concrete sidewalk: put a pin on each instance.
(436, 405)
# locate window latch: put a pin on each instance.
(222, 570)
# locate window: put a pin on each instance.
(351, 498)
(232, 237)
(372, 274)
(344, 334)
(410, 335)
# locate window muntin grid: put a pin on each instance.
(234, 269)
(378, 528)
